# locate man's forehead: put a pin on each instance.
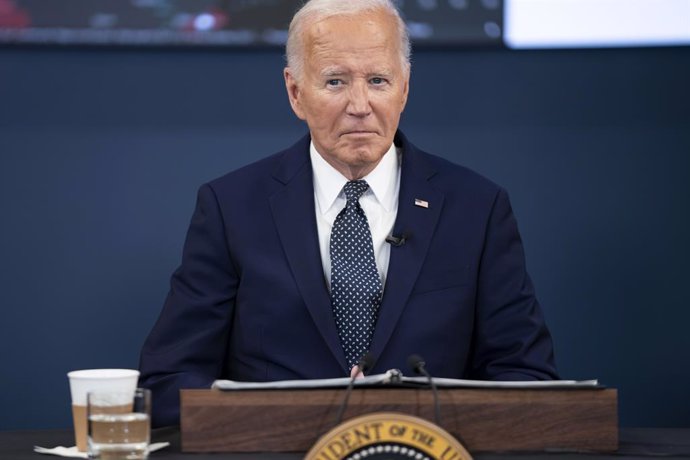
(350, 43)
(371, 28)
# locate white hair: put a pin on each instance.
(317, 10)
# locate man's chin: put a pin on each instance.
(362, 156)
(365, 146)
(354, 160)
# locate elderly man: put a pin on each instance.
(350, 241)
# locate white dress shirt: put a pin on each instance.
(379, 202)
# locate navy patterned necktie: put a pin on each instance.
(355, 284)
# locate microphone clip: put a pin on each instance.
(397, 241)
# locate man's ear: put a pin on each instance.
(294, 93)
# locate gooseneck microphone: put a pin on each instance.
(365, 364)
(418, 365)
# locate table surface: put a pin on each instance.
(635, 443)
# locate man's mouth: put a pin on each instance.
(358, 132)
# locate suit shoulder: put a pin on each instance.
(259, 176)
(452, 176)
(248, 173)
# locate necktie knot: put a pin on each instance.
(354, 189)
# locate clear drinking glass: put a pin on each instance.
(119, 424)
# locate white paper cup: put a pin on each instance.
(83, 381)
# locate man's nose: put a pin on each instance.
(359, 100)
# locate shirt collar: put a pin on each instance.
(329, 182)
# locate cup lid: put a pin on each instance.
(117, 380)
(103, 374)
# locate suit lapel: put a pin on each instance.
(419, 223)
(294, 215)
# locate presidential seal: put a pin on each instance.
(389, 436)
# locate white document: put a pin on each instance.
(394, 377)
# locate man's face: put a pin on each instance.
(353, 89)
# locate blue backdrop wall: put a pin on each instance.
(101, 153)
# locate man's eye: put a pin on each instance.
(378, 81)
(333, 82)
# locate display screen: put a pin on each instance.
(223, 22)
(512, 23)
(596, 23)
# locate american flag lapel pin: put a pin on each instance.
(421, 203)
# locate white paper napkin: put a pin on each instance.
(74, 453)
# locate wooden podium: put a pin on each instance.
(483, 419)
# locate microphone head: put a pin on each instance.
(366, 362)
(416, 363)
(398, 241)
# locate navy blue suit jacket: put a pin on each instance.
(250, 302)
